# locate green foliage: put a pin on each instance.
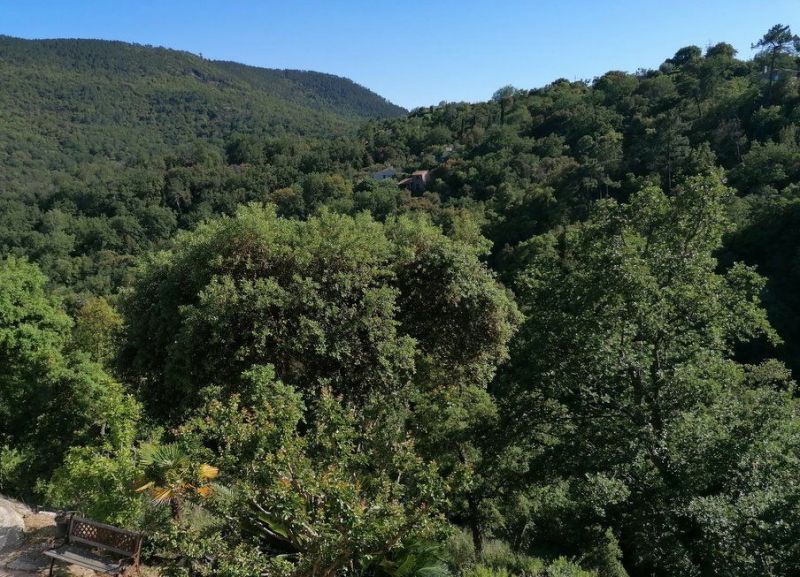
(499, 559)
(338, 306)
(51, 396)
(11, 467)
(109, 147)
(339, 351)
(625, 351)
(219, 134)
(96, 330)
(99, 485)
(340, 488)
(330, 302)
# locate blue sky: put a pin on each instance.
(416, 53)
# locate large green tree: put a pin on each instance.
(623, 390)
(395, 314)
(774, 46)
(339, 302)
(52, 395)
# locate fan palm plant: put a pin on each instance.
(171, 475)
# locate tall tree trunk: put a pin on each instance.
(772, 59)
(475, 525)
(176, 507)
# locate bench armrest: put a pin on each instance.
(56, 542)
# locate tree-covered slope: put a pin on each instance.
(317, 90)
(89, 129)
(65, 102)
(131, 63)
(564, 357)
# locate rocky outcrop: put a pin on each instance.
(12, 526)
(24, 534)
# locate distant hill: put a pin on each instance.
(134, 63)
(316, 90)
(68, 101)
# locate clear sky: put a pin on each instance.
(412, 52)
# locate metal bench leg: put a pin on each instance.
(51, 567)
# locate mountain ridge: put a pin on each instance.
(307, 86)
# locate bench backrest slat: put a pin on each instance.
(104, 536)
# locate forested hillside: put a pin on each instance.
(94, 137)
(567, 350)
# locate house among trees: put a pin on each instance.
(446, 152)
(417, 182)
(384, 174)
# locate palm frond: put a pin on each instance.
(145, 487)
(161, 495)
(208, 472)
(163, 456)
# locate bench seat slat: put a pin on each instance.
(84, 558)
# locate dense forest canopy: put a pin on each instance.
(551, 334)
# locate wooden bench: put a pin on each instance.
(98, 547)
